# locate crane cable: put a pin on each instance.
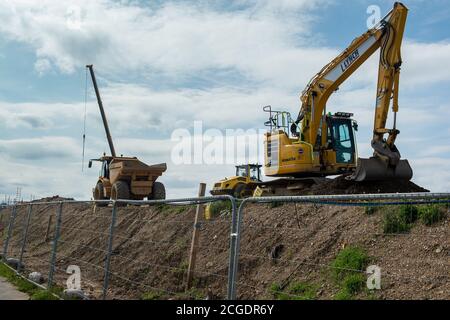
(84, 121)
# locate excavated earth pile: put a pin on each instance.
(340, 185)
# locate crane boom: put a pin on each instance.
(102, 111)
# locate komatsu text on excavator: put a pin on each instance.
(318, 143)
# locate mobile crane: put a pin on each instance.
(321, 144)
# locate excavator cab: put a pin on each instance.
(341, 137)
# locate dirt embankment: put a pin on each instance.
(285, 244)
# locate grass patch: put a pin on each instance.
(432, 214)
(346, 273)
(393, 222)
(343, 295)
(218, 207)
(152, 295)
(400, 219)
(25, 286)
(348, 260)
(353, 283)
(296, 291)
(408, 213)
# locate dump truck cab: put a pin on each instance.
(240, 185)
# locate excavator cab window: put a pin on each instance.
(342, 139)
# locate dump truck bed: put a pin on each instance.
(125, 168)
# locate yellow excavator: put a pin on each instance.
(319, 144)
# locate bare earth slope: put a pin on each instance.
(284, 244)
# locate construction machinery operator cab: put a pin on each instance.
(104, 171)
(341, 137)
(252, 171)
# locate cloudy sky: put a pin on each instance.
(162, 65)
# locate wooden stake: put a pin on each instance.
(195, 237)
(47, 233)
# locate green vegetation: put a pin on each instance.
(401, 218)
(347, 261)
(27, 287)
(408, 213)
(296, 291)
(218, 207)
(432, 214)
(152, 295)
(393, 222)
(191, 294)
(353, 283)
(347, 271)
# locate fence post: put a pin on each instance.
(234, 250)
(12, 218)
(109, 252)
(55, 246)
(195, 237)
(25, 235)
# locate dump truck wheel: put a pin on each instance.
(98, 194)
(159, 191)
(120, 190)
(239, 190)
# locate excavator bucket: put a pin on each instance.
(374, 169)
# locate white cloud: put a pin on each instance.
(425, 63)
(42, 66)
(61, 148)
(432, 173)
(173, 38)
